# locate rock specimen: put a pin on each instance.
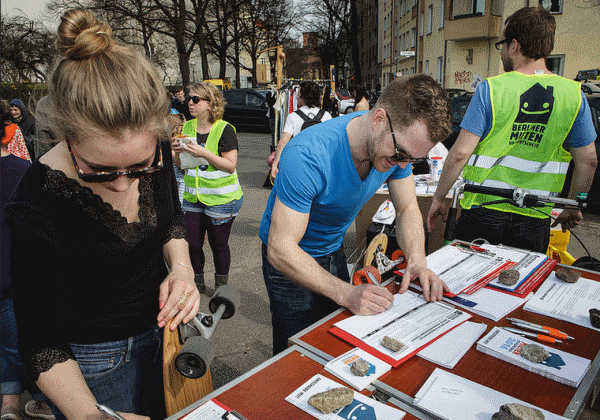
(515, 411)
(359, 367)
(509, 277)
(569, 275)
(535, 353)
(391, 343)
(595, 317)
(329, 401)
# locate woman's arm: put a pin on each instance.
(179, 283)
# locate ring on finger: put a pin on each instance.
(183, 300)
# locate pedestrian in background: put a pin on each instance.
(99, 259)
(213, 196)
(26, 123)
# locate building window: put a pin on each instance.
(556, 64)
(426, 67)
(440, 69)
(429, 19)
(413, 38)
(421, 23)
(262, 60)
(555, 6)
(442, 13)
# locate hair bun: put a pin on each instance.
(81, 35)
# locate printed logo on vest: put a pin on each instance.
(535, 108)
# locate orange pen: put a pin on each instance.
(539, 337)
(552, 332)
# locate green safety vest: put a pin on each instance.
(212, 186)
(532, 116)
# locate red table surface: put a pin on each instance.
(477, 366)
(262, 396)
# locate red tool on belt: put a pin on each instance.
(377, 263)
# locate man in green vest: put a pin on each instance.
(520, 131)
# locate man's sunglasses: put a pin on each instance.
(400, 155)
(498, 44)
(195, 99)
(97, 177)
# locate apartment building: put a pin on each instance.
(453, 40)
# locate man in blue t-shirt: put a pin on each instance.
(326, 174)
(515, 134)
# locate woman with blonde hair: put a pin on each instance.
(213, 196)
(100, 216)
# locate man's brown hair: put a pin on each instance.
(533, 28)
(417, 97)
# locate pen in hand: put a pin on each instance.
(108, 412)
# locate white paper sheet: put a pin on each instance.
(411, 320)
(454, 398)
(566, 301)
(447, 350)
(459, 268)
(527, 263)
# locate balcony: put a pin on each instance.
(473, 22)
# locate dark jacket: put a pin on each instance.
(26, 124)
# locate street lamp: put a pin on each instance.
(193, 64)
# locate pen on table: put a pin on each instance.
(109, 412)
(540, 337)
(552, 332)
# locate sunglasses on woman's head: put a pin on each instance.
(97, 177)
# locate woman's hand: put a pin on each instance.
(179, 298)
(176, 145)
(195, 150)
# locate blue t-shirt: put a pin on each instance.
(478, 119)
(317, 176)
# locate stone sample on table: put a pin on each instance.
(509, 277)
(569, 275)
(392, 343)
(359, 367)
(535, 353)
(595, 317)
(331, 400)
(516, 411)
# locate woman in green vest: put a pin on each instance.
(213, 196)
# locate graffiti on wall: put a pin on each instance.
(462, 77)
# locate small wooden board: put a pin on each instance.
(378, 243)
(180, 391)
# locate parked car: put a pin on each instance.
(346, 106)
(221, 84)
(459, 106)
(452, 93)
(247, 110)
(590, 88)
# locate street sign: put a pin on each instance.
(407, 53)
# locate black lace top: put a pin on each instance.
(80, 272)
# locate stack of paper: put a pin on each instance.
(340, 367)
(461, 267)
(454, 398)
(527, 263)
(561, 366)
(567, 301)
(361, 407)
(488, 303)
(447, 350)
(411, 320)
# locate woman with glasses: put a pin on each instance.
(213, 196)
(100, 261)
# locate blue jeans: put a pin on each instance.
(221, 213)
(13, 372)
(125, 375)
(293, 307)
(500, 227)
